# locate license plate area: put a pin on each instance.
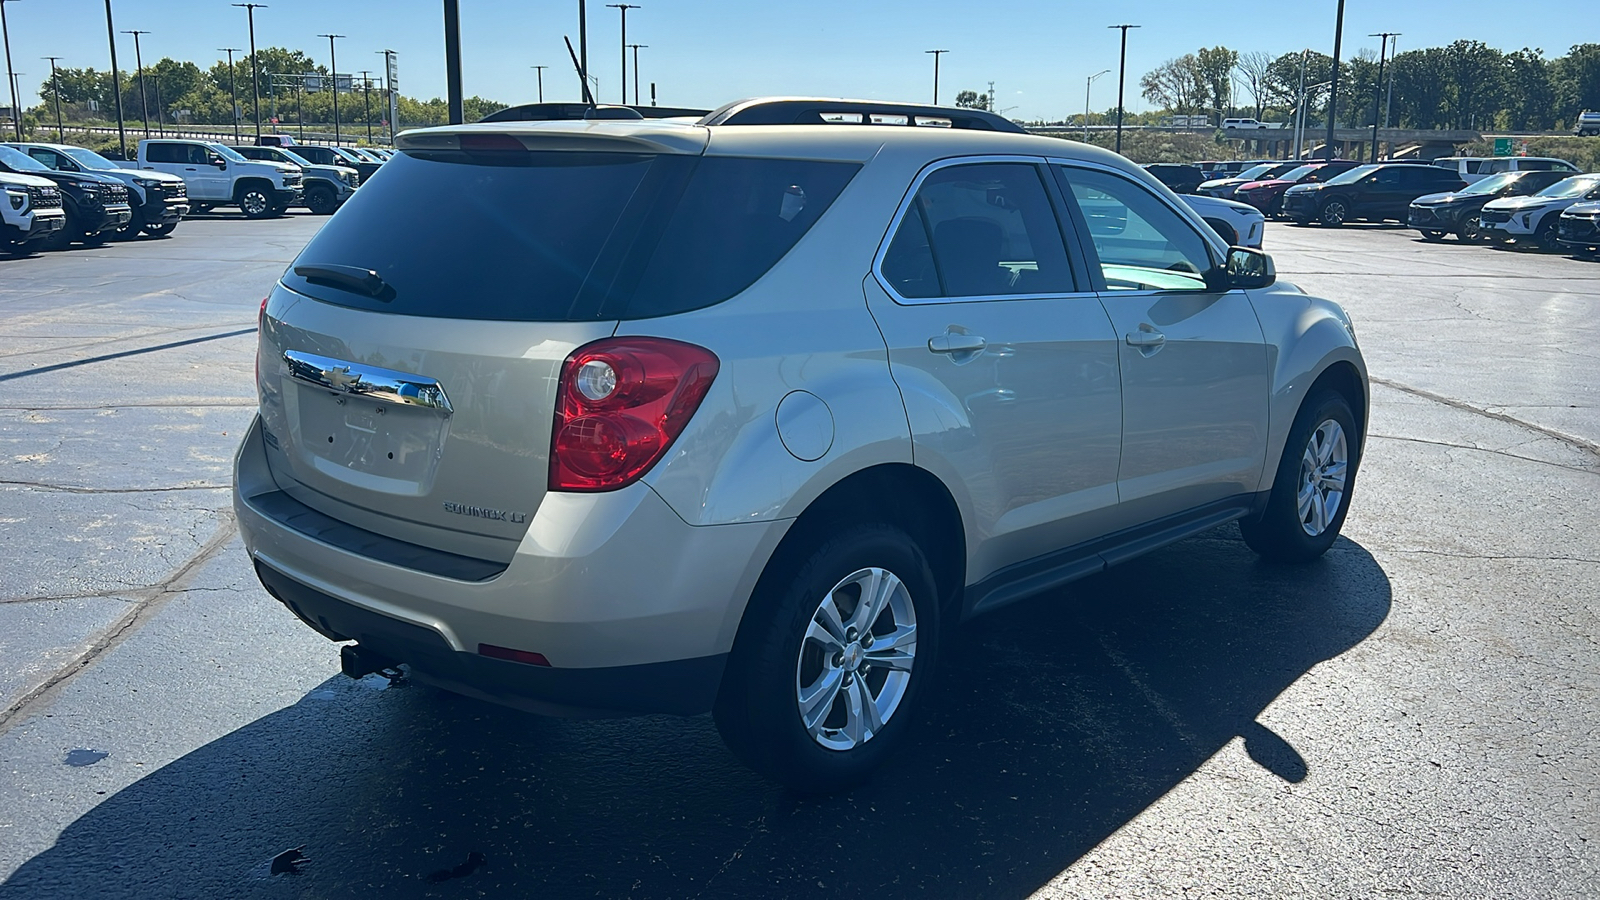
(365, 443)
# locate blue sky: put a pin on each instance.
(706, 52)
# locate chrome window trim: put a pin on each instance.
(905, 204)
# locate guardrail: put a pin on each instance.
(223, 135)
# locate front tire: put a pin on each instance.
(255, 202)
(321, 201)
(1548, 237)
(159, 229)
(1312, 489)
(1434, 236)
(835, 651)
(1334, 213)
(1469, 231)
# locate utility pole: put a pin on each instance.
(233, 89)
(55, 88)
(583, 51)
(255, 65)
(138, 61)
(1300, 107)
(1388, 103)
(161, 123)
(1122, 77)
(452, 60)
(1377, 88)
(1087, 85)
(11, 78)
(333, 63)
(392, 110)
(116, 79)
(623, 8)
(636, 48)
(538, 72)
(366, 96)
(936, 55)
(1333, 86)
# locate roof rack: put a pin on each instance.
(823, 111)
(555, 112)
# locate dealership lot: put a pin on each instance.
(1414, 714)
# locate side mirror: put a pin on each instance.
(1246, 268)
(219, 162)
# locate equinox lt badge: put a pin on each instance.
(484, 512)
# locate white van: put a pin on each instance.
(1477, 168)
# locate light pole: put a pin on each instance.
(55, 88)
(1377, 89)
(255, 66)
(636, 49)
(936, 55)
(538, 72)
(1122, 77)
(391, 111)
(16, 104)
(1333, 90)
(366, 96)
(583, 51)
(333, 63)
(233, 90)
(1087, 85)
(116, 79)
(138, 61)
(1388, 102)
(623, 8)
(452, 61)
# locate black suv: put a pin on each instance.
(97, 205)
(1372, 192)
(1182, 178)
(1456, 212)
(337, 156)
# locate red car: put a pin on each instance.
(1267, 196)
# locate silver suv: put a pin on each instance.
(742, 414)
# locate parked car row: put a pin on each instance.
(1541, 209)
(57, 195)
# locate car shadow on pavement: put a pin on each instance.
(1056, 722)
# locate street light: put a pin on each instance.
(936, 55)
(16, 104)
(623, 8)
(116, 79)
(636, 49)
(366, 96)
(138, 61)
(1122, 77)
(1377, 88)
(1333, 92)
(452, 61)
(539, 73)
(55, 88)
(333, 63)
(233, 90)
(255, 66)
(1086, 87)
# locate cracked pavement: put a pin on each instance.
(1414, 714)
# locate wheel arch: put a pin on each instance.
(243, 184)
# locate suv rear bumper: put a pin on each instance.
(634, 609)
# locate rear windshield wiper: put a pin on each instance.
(349, 278)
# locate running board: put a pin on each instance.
(1052, 570)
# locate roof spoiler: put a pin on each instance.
(822, 111)
(566, 112)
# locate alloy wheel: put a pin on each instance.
(1334, 213)
(1324, 468)
(254, 203)
(856, 659)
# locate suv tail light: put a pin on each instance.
(620, 405)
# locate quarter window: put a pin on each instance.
(1143, 244)
(979, 230)
(166, 153)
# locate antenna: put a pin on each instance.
(587, 97)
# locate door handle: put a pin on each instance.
(955, 344)
(1142, 338)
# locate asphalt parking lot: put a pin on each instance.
(1416, 714)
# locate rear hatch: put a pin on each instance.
(410, 357)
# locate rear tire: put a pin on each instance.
(819, 691)
(1313, 486)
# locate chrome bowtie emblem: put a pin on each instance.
(340, 377)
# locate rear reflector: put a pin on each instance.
(510, 655)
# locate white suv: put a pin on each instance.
(30, 212)
(740, 415)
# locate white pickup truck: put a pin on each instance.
(30, 212)
(217, 176)
(1248, 125)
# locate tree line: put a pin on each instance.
(1466, 85)
(181, 93)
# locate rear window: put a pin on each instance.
(517, 236)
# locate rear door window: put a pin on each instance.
(981, 230)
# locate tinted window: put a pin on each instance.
(48, 157)
(565, 236)
(166, 153)
(979, 230)
(1142, 243)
